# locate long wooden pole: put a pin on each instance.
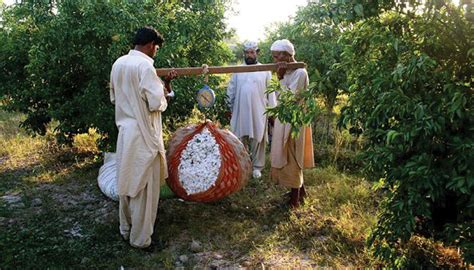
(227, 69)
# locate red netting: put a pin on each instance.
(235, 163)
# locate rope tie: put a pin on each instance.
(205, 71)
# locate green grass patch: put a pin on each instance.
(63, 221)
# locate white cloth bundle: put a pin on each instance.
(107, 178)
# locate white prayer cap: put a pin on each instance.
(249, 44)
(283, 45)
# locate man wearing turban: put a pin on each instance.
(248, 102)
(289, 156)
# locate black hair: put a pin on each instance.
(146, 35)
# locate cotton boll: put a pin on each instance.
(199, 163)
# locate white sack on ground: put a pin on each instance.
(107, 178)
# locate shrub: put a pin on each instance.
(63, 61)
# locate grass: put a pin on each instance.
(63, 220)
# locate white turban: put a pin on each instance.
(250, 45)
(283, 45)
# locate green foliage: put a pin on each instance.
(316, 41)
(297, 108)
(411, 98)
(19, 27)
(407, 71)
(316, 44)
(86, 143)
(62, 59)
(238, 53)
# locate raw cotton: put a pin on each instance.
(232, 170)
(200, 163)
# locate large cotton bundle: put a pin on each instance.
(206, 163)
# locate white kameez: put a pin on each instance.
(248, 102)
(139, 99)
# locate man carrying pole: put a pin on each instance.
(139, 98)
(289, 156)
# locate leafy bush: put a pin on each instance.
(411, 98)
(86, 142)
(62, 55)
(407, 70)
(315, 40)
(422, 253)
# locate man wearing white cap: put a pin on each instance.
(289, 156)
(248, 101)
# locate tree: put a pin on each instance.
(407, 70)
(410, 95)
(315, 37)
(66, 65)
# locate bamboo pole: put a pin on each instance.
(227, 69)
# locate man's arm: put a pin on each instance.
(231, 90)
(169, 93)
(281, 70)
(271, 97)
(111, 86)
(152, 90)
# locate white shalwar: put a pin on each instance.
(248, 102)
(139, 99)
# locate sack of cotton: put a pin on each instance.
(107, 179)
(206, 163)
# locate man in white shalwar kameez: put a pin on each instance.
(289, 156)
(248, 101)
(139, 97)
